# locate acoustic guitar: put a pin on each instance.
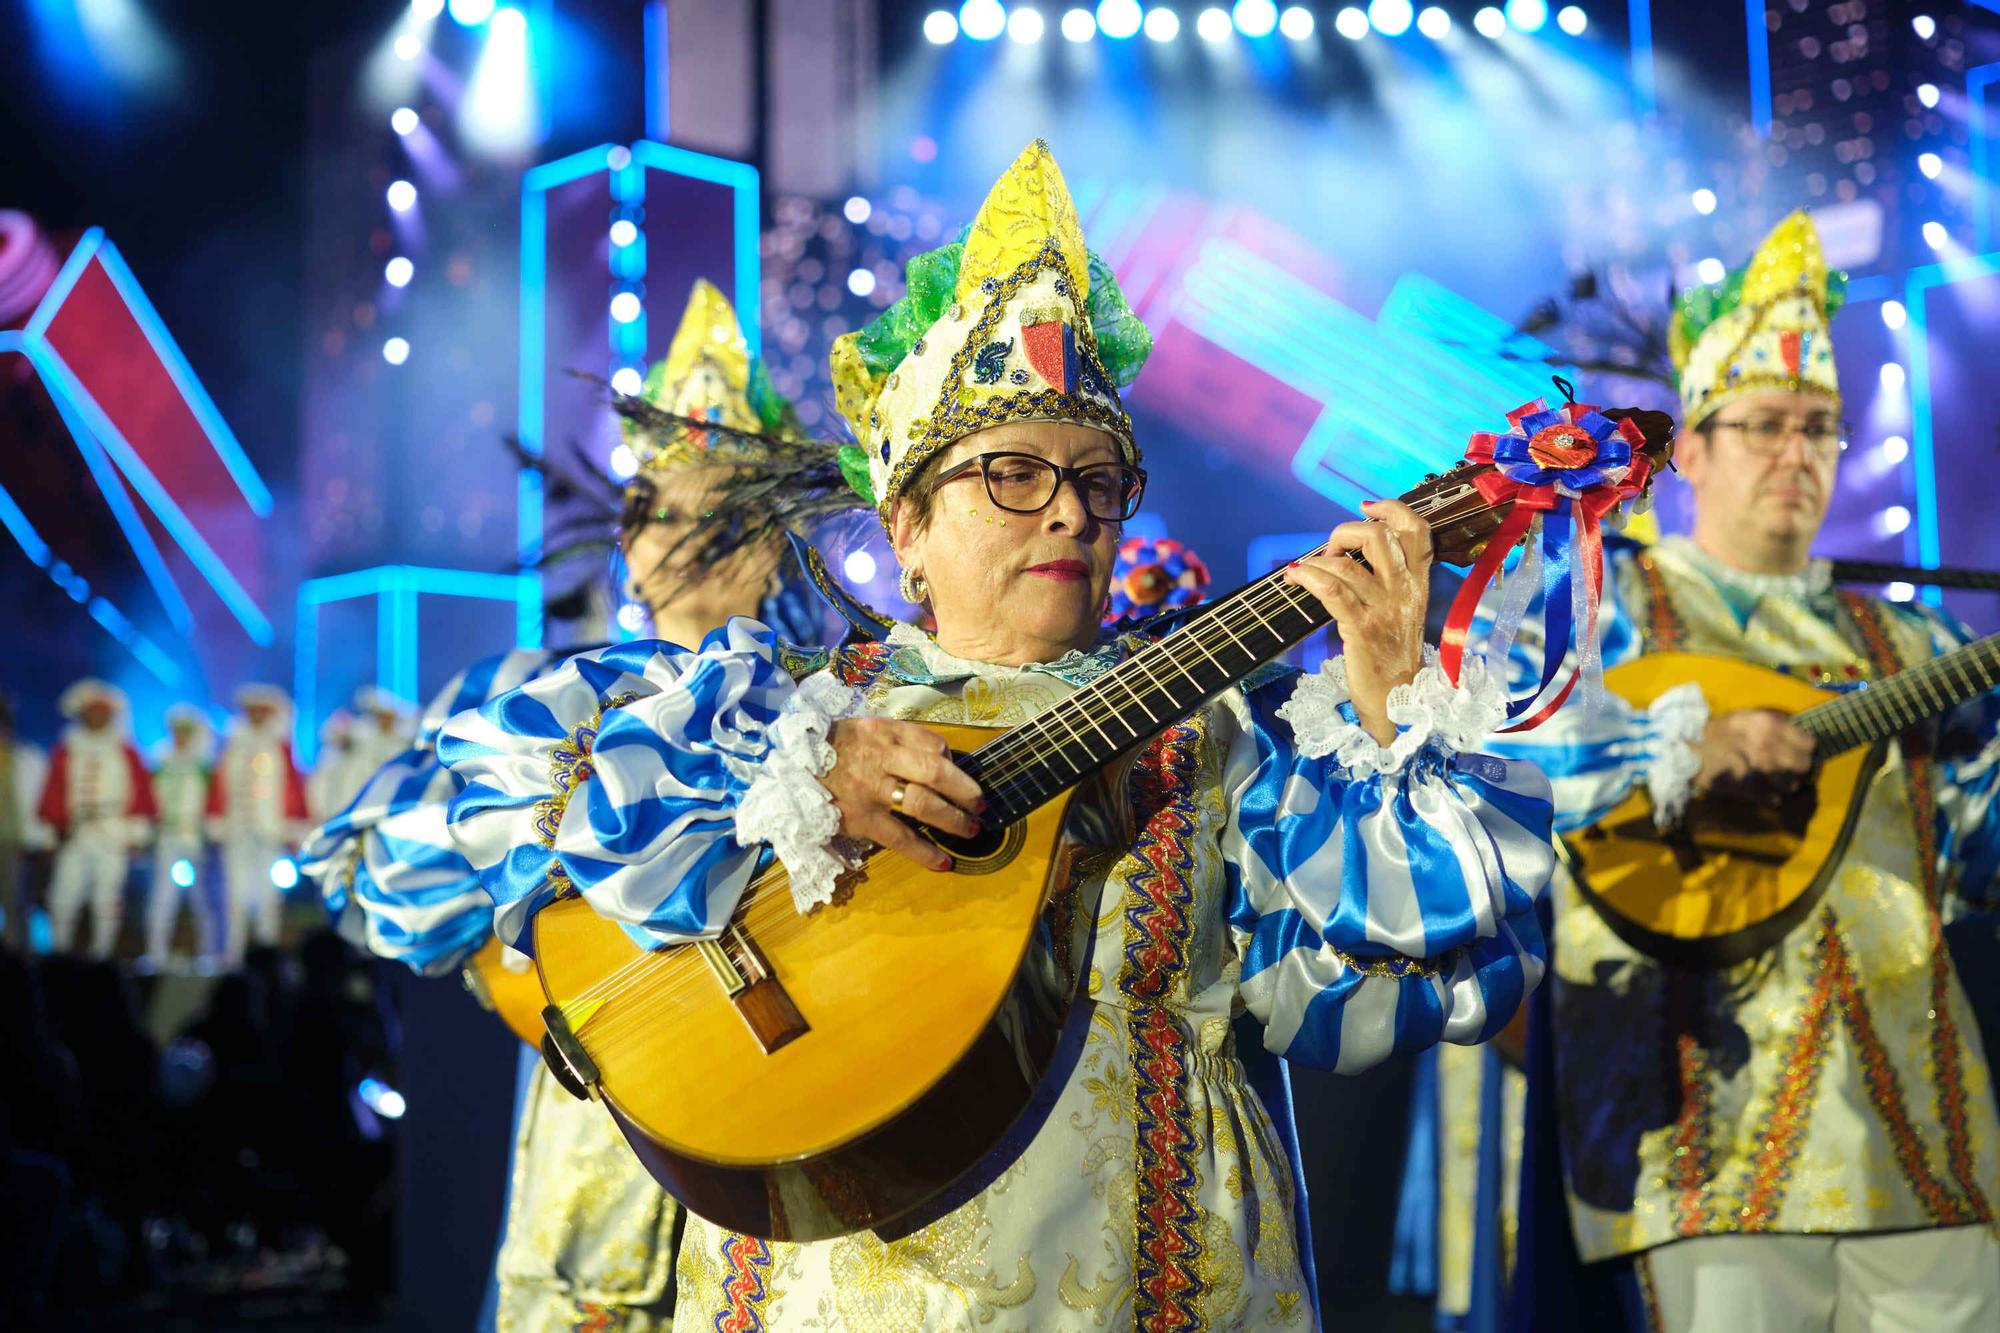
(874, 1063)
(512, 994)
(1736, 876)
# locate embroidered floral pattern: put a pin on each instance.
(747, 1261)
(1784, 1127)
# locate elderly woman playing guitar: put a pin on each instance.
(1322, 853)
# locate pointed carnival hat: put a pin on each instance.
(1762, 328)
(1013, 321)
(708, 374)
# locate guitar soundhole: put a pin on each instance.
(982, 854)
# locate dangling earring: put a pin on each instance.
(915, 591)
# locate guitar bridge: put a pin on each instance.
(748, 980)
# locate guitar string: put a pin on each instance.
(1269, 595)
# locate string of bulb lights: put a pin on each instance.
(1123, 20)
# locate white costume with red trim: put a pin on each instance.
(99, 800)
(180, 789)
(256, 810)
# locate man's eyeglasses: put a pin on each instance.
(1767, 436)
(1027, 483)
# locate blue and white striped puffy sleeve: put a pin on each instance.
(649, 777)
(1595, 755)
(386, 867)
(1382, 898)
(1967, 780)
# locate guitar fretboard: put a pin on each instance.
(1893, 703)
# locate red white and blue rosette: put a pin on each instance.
(1152, 575)
(1567, 467)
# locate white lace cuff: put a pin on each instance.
(1676, 720)
(1428, 708)
(785, 804)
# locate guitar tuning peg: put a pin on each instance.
(1430, 477)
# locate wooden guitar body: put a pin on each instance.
(514, 997)
(900, 1036)
(1734, 877)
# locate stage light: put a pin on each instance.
(624, 232)
(1212, 24)
(1927, 93)
(624, 464)
(1901, 592)
(1895, 519)
(1894, 315)
(625, 307)
(1704, 202)
(403, 120)
(1391, 18)
(1895, 449)
(1351, 23)
(1119, 18)
(982, 20)
(859, 567)
(632, 617)
(471, 13)
(382, 1099)
(183, 873)
(1572, 20)
(1078, 25)
(1528, 15)
(1025, 26)
(1710, 270)
(1892, 376)
(1255, 18)
(409, 46)
(396, 351)
(1296, 23)
(398, 272)
(402, 196)
(1162, 25)
(940, 28)
(1930, 164)
(861, 281)
(1490, 23)
(426, 10)
(1935, 235)
(1434, 23)
(284, 874)
(626, 380)
(1925, 26)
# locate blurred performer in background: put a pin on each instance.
(256, 813)
(180, 850)
(1805, 1139)
(588, 1238)
(333, 780)
(23, 772)
(99, 800)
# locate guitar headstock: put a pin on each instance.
(1463, 520)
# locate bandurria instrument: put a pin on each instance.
(874, 1062)
(1734, 876)
(512, 994)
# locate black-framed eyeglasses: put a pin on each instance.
(1767, 436)
(1027, 483)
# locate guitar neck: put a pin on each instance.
(1887, 706)
(1154, 688)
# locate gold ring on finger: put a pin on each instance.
(896, 798)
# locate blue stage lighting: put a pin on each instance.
(471, 13)
(1296, 23)
(425, 10)
(1212, 25)
(284, 874)
(1710, 270)
(624, 232)
(183, 873)
(1927, 93)
(1930, 164)
(1078, 25)
(1351, 23)
(1924, 26)
(625, 307)
(861, 281)
(1490, 23)
(409, 46)
(1935, 236)
(1162, 25)
(940, 28)
(396, 351)
(1025, 26)
(1255, 18)
(1895, 314)
(1572, 20)
(403, 120)
(859, 567)
(1391, 18)
(402, 196)
(1528, 15)
(1704, 201)
(1434, 23)
(1119, 18)
(982, 20)
(398, 271)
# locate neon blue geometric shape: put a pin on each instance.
(1645, 80)
(1400, 394)
(1979, 150)
(1759, 36)
(96, 436)
(396, 588)
(1922, 535)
